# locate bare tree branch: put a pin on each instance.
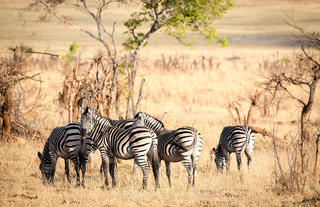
(309, 57)
(64, 20)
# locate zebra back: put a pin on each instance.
(185, 137)
(123, 124)
(235, 138)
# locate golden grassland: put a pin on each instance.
(197, 97)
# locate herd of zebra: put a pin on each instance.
(144, 139)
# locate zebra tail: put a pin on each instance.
(196, 137)
(194, 143)
(155, 155)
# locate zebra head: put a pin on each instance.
(149, 121)
(87, 120)
(45, 169)
(219, 158)
(138, 122)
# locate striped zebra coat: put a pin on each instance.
(181, 145)
(112, 142)
(123, 124)
(234, 139)
(65, 142)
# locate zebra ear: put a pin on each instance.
(138, 116)
(214, 150)
(86, 111)
(80, 102)
(40, 155)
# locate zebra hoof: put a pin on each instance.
(77, 185)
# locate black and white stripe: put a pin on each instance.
(112, 142)
(123, 124)
(181, 145)
(65, 142)
(234, 139)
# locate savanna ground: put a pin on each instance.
(190, 94)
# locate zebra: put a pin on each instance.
(123, 124)
(66, 142)
(112, 142)
(234, 139)
(181, 145)
(152, 154)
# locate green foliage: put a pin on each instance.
(177, 18)
(69, 57)
(24, 48)
(286, 60)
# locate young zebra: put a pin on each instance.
(65, 142)
(234, 139)
(181, 145)
(112, 142)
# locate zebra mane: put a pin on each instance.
(218, 150)
(98, 118)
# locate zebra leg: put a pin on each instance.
(186, 161)
(83, 170)
(52, 168)
(248, 151)
(238, 155)
(66, 168)
(134, 169)
(249, 159)
(112, 166)
(105, 164)
(168, 172)
(155, 168)
(143, 163)
(101, 168)
(77, 168)
(194, 168)
(227, 157)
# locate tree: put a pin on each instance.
(173, 17)
(12, 72)
(303, 73)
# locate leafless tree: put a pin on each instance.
(303, 74)
(12, 69)
(108, 94)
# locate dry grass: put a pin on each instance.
(196, 97)
(21, 185)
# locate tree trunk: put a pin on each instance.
(306, 110)
(254, 102)
(6, 116)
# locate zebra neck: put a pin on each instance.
(46, 158)
(100, 126)
(154, 124)
(219, 151)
